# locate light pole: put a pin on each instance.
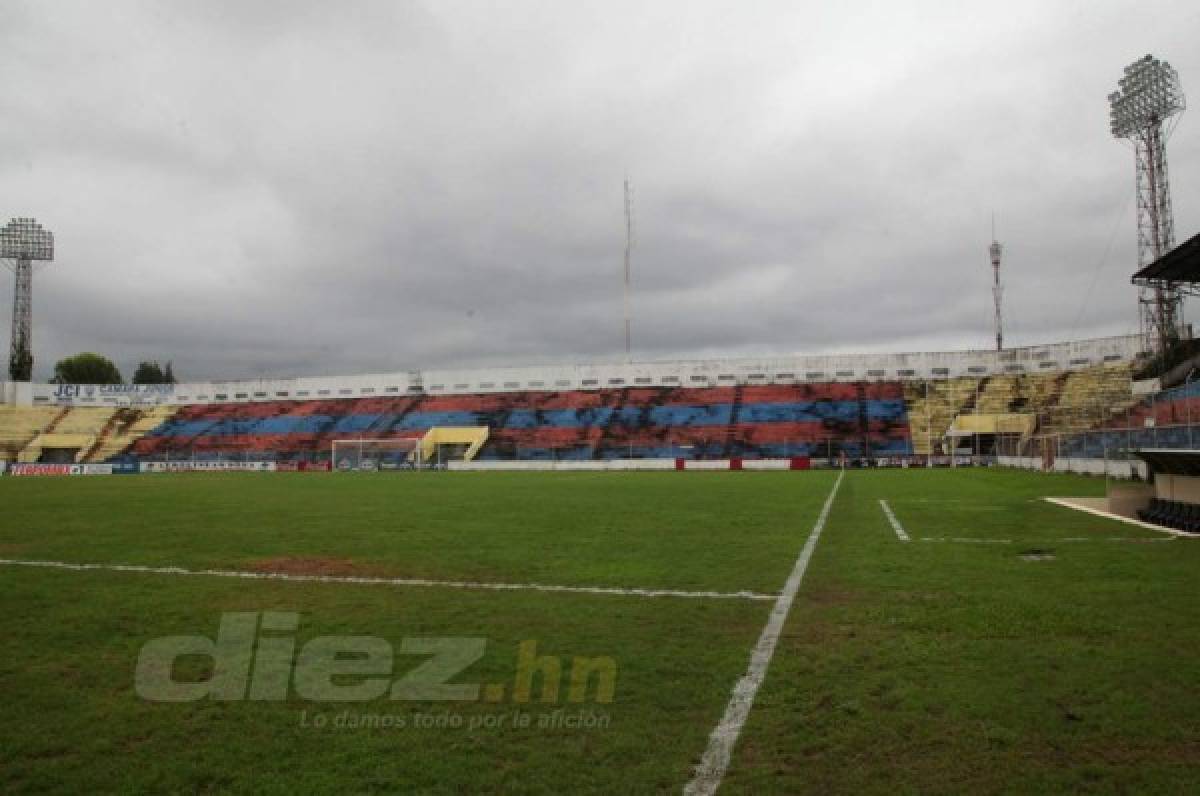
(24, 242)
(1148, 97)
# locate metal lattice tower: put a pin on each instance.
(994, 252)
(1143, 110)
(24, 242)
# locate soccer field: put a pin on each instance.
(968, 637)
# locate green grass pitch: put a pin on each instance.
(1011, 646)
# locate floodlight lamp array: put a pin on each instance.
(1148, 94)
(25, 239)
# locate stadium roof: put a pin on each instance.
(1181, 264)
(1170, 461)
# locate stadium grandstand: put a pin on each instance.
(884, 408)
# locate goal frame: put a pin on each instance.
(368, 454)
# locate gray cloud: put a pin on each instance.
(287, 188)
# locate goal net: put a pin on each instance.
(350, 455)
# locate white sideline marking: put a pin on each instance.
(1052, 539)
(1141, 539)
(708, 774)
(896, 526)
(1066, 503)
(1117, 539)
(448, 584)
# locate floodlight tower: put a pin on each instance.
(1148, 100)
(24, 242)
(994, 252)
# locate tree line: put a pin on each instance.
(91, 368)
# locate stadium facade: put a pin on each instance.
(798, 369)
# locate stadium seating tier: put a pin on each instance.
(882, 418)
(748, 421)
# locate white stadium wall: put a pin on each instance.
(1112, 468)
(681, 373)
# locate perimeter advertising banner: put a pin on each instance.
(195, 467)
(59, 469)
(39, 469)
(91, 392)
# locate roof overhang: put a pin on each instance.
(1178, 268)
(1171, 461)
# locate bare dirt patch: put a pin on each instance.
(830, 596)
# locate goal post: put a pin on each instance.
(368, 455)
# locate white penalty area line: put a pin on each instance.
(896, 526)
(711, 770)
(373, 581)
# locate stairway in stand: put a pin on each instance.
(49, 429)
(607, 440)
(728, 450)
(123, 418)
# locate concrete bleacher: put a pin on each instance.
(73, 434)
(1040, 390)
(19, 426)
(127, 426)
(998, 395)
(880, 418)
(933, 405)
(1167, 419)
(751, 421)
(1089, 398)
(1058, 402)
(771, 412)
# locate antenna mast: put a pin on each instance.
(628, 252)
(994, 251)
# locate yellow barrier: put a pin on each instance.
(472, 436)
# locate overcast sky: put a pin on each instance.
(281, 188)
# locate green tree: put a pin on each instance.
(168, 374)
(148, 373)
(86, 368)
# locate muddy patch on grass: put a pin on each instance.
(915, 596)
(1119, 752)
(830, 596)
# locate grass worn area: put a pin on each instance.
(951, 667)
(74, 724)
(937, 665)
(71, 640)
(703, 531)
